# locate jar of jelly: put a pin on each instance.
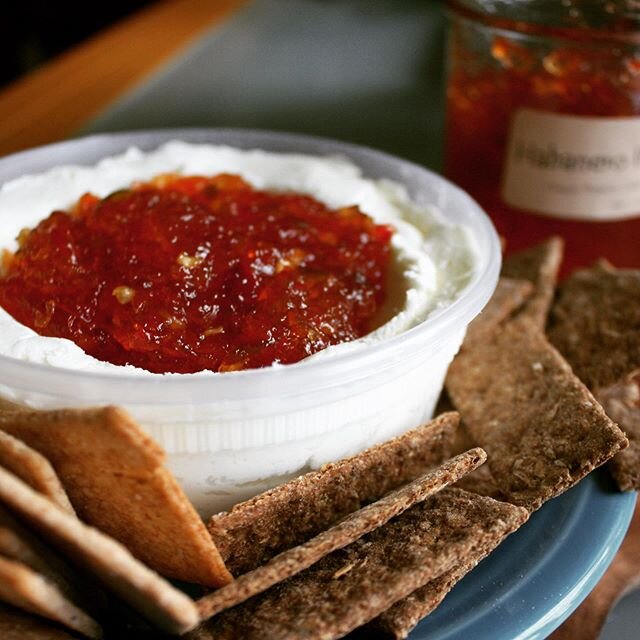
(543, 121)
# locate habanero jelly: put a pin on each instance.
(543, 121)
(185, 274)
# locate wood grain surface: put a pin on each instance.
(55, 100)
(624, 573)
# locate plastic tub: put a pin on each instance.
(222, 432)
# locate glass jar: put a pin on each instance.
(543, 121)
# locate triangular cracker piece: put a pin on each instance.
(33, 468)
(353, 527)
(400, 619)
(22, 587)
(539, 265)
(595, 324)
(94, 552)
(256, 530)
(115, 476)
(509, 296)
(542, 429)
(353, 585)
(622, 403)
(18, 625)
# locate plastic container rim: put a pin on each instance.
(282, 381)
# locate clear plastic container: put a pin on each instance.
(229, 436)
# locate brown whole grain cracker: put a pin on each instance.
(33, 468)
(22, 587)
(351, 586)
(18, 625)
(595, 324)
(108, 464)
(258, 529)
(621, 401)
(353, 527)
(539, 265)
(541, 428)
(509, 296)
(95, 553)
(399, 620)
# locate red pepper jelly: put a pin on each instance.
(185, 274)
(543, 121)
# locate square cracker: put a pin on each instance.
(104, 558)
(293, 561)
(542, 429)
(115, 477)
(540, 266)
(258, 529)
(351, 586)
(33, 468)
(22, 587)
(18, 625)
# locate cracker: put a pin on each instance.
(95, 553)
(400, 619)
(509, 296)
(115, 476)
(353, 527)
(622, 403)
(258, 529)
(542, 429)
(539, 265)
(17, 625)
(595, 324)
(351, 586)
(33, 468)
(22, 587)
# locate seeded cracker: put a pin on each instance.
(353, 527)
(22, 587)
(353, 585)
(169, 609)
(539, 265)
(258, 529)
(17, 625)
(541, 428)
(34, 469)
(107, 464)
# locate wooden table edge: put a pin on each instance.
(57, 99)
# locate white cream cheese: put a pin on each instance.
(222, 452)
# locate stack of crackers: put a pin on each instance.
(97, 538)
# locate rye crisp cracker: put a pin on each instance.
(95, 553)
(351, 586)
(595, 324)
(34, 469)
(258, 529)
(542, 429)
(293, 561)
(18, 625)
(621, 401)
(509, 296)
(539, 265)
(25, 589)
(107, 464)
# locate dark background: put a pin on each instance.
(33, 31)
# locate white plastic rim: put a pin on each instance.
(291, 383)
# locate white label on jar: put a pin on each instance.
(579, 167)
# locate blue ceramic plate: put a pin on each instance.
(541, 573)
